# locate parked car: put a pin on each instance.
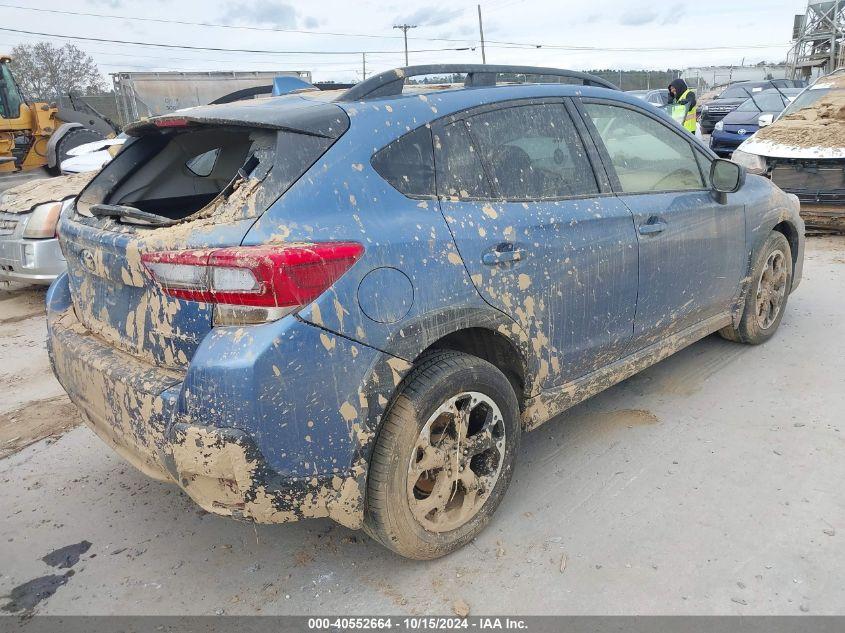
(803, 152)
(740, 124)
(364, 298)
(734, 95)
(657, 98)
(29, 213)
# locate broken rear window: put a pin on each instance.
(176, 174)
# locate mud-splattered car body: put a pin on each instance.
(275, 421)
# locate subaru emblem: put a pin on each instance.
(88, 261)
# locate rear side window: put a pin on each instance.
(647, 155)
(408, 163)
(203, 164)
(533, 152)
(460, 173)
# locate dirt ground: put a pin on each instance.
(708, 484)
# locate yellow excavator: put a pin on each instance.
(34, 135)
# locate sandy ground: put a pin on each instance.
(710, 483)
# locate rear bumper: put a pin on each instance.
(30, 261)
(165, 426)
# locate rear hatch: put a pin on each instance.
(195, 179)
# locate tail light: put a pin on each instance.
(252, 284)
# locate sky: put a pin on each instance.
(334, 33)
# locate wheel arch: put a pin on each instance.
(55, 138)
(483, 332)
(790, 232)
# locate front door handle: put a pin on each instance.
(652, 228)
(502, 255)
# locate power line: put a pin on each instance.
(224, 50)
(218, 25)
(239, 61)
(489, 43)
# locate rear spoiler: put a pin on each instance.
(304, 116)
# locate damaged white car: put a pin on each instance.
(803, 152)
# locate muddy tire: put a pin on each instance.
(444, 456)
(74, 138)
(767, 293)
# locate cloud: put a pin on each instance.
(429, 16)
(112, 4)
(638, 18)
(310, 22)
(674, 14)
(273, 13)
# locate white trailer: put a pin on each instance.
(144, 94)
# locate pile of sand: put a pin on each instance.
(819, 125)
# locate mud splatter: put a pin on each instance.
(26, 596)
(67, 556)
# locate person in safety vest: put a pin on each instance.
(682, 104)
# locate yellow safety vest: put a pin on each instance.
(689, 119)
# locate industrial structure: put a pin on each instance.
(818, 37)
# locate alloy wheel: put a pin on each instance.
(456, 461)
(771, 289)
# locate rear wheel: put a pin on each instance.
(444, 456)
(767, 293)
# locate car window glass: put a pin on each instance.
(765, 102)
(203, 164)
(704, 164)
(737, 92)
(459, 170)
(533, 152)
(647, 155)
(408, 163)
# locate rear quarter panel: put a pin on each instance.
(411, 286)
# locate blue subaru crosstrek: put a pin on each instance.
(351, 305)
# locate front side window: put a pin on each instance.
(10, 98)
(647, 155)
(533, 152)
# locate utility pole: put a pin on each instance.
(834, 30)
(364, 62)
(405, 28)
(481, 33)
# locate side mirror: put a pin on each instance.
(726, 176)
(765, 119)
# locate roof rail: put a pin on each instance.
(391, 82)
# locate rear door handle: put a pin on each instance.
(495, 257)
(652, 228)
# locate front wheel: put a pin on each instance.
(768, 291)
(444, 456)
